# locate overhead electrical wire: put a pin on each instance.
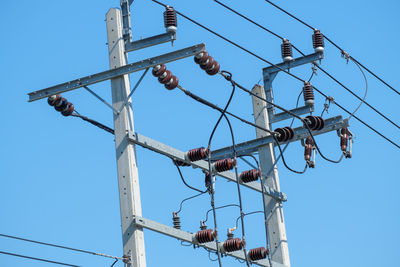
(283, 70)
(183, 179)
(188, 198)
(318, 66)
(60, 246)
(37, 259)
(334, 44)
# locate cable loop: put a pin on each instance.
(227, 75)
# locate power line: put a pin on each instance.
(336, 45)
(318, 66)
(37, 259)
(59, 246)
(294, 76)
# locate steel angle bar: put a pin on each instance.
(113, 73)
(176, 154)
(252, 146)
(153, 40)
(101, 99)
(270, 71)
(285, 115)
(188, 237)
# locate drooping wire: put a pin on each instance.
(59, 246)
(318, 66)
(337, 46)
(188, 198)
(183, 179)
(37, 259)
(220, 207)
(366, 89)
(281, 69)
(116, 260)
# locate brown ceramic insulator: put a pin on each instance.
(286, 50)
(197, 154)
(233, 244)
(205, 236)
(250, 176)
(214, 70)
(170, 17)
(318, 39)
(165, 77)
(172, 84)
(51, 100)
(308, 93)
(285, 134)
(343, 139)
(256, 254)
(208, 64)
(282, 134)
(315, 122)
(308, 148)
(201, 58)
(224, 165)
(176, 220)
(158, 70)
(68, 110)
(290, 132)
(61, 105)
(321, 123)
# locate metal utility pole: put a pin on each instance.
(128, 179)
(276, 223)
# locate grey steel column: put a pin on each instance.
(276, 223)
(128, 180)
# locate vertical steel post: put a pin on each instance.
(276, 223)
(128, 180)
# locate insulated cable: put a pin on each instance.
(183, 179)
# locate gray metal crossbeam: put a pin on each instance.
(251, 146)
(176, 154)
(293, 63)
(188, 237)
(285, 115)
(153, 40)
(113, 73)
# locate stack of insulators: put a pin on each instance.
(224, 165)
(61, 104)
(344, 137)
(197, 154)
(315, 122)
(170, 20)
(165, 76)
(205, 236)
(286, 50)
(318, 41)
(233, 244)
(256, 254)
(308, 148)
(176, 220)
(308, 93)
(207, 63)
(285, 134)
(250, 175)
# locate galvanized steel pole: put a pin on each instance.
(128, 180)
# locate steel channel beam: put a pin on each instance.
(188, 237)
(113, 73)
(147, 42)
(285, 115)
(252, 146)
(176, 154)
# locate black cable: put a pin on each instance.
(59, 246)
(337, 46)
(191, 197)
(319, 67)
(116, 260)
(220, 207)
(95, 123)
(183, 179)
(249, 213)
(294, 76)
(37, 259)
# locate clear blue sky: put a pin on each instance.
(58, 175)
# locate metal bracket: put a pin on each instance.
(285, 115)
(188, 237)
(154, 40)
(113, 73)
(246, 148)
(176, 154)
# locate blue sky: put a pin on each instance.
(58, 174)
